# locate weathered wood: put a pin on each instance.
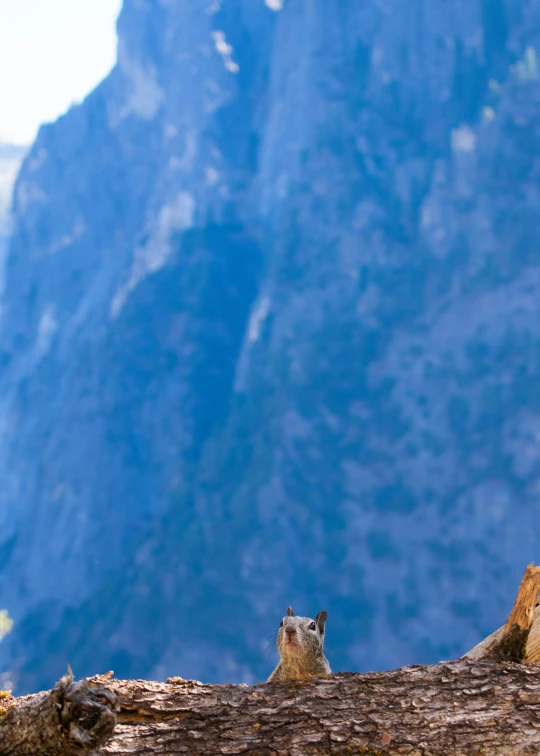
(462, 708)
(459, 708)
(519, 639)
(73, 719)
(526, 599)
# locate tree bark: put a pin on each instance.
(73, 719)
(461, 708)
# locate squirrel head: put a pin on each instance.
(301, 637)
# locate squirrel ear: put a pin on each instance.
(290, 612)
(320, 619)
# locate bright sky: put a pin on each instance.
(52, 53)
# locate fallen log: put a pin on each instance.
(461, 708)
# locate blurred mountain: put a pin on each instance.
(271, 336)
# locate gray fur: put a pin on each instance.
(301, 648)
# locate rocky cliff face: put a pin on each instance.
(271, 335)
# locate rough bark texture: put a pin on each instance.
(463, 708)
(70, 720)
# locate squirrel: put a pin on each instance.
(300, 642)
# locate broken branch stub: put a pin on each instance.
(519, 639)
(72, 719)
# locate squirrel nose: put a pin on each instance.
(290, 631)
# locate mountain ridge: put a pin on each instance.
(269, 338)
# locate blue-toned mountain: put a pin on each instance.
(271, 335)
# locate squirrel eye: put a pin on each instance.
(281, 623)
(313, 626)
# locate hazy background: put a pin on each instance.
(52, 54)
(269, 330)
